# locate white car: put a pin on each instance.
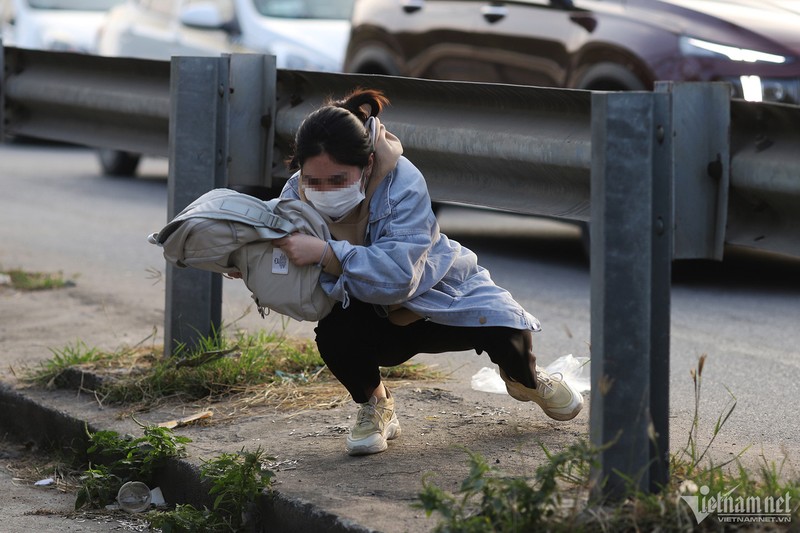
(301, 34)
(63, 25)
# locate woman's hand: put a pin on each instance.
(301, 249)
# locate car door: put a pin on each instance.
(435, 36)
(205, 41)
(521, 42)
(149, 31)
(524, 42)
(301, 34)
(155, 31)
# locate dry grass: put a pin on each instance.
(232, 377)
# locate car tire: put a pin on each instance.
(118, 163)
(372, 59)
(609, 77)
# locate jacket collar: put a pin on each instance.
(388, 150)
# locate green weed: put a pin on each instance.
(692, 454)
(237, 480)
(489, 501)
(556, 498)
(72, 355)
(115, 460)
(37, 281)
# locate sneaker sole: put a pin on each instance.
(375, 443)
(520, 395)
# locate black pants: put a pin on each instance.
(356, 341)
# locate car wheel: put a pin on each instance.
(118, 163)
(372, 60)
(609, 77)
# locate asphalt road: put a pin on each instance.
(58, 214)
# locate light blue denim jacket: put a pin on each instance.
(406, 260)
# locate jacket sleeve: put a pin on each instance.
(398, 264)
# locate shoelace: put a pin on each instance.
(365, 414)
(549, 380)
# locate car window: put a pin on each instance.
(77, 5)
(225, 7)
(305, 9)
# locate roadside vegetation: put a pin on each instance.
(243, 369)
(34, 281)
(560, 496)
(252, 368)
(114, 460)
(235, 481)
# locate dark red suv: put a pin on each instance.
(584, 44)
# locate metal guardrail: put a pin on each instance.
(87, 100)
(764, 198)
(522, 149)
(674, 173)
(538, 162)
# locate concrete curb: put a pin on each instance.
(25, 420)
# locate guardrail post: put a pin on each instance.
(631, 246)
(700, 161)
(251, 129)
(198, 153)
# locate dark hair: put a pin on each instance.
(337, 128)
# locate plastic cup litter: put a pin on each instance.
(134, 497)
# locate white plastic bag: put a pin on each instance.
(574, 369)
(488, 380)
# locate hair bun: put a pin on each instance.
(363, 103)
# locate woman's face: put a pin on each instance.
(322, 173)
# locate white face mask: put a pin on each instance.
(336, 203)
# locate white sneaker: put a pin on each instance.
(558, 399)
(376, 423)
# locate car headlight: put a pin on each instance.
(758, 89)
(750, 88)
(696, 47)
